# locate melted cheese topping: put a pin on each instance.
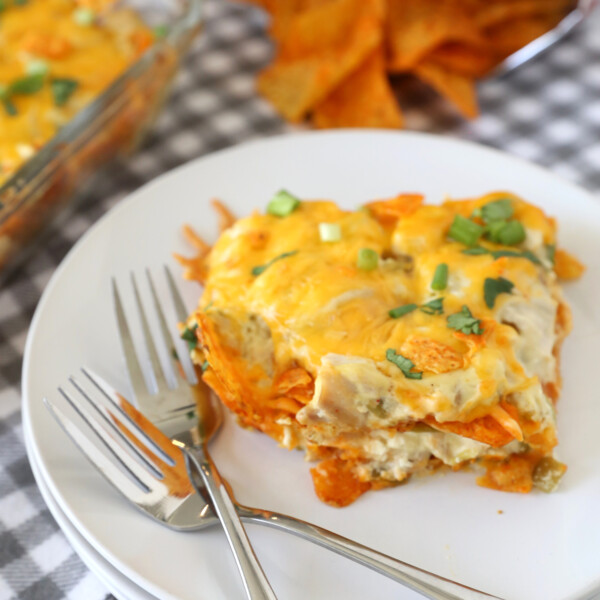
(93, 55)
(330, 317)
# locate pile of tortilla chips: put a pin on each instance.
(334, 57)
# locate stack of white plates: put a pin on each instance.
(539, 548)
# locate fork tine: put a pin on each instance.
(181, 314)
(180, 310)
(136, 375)
(115, 476)
(160, 375)
(113, 445)
(119, 402)
(110, 420)
(166, 334)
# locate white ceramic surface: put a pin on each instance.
(121, 587)
(540, 548)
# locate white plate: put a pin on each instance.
(121, 587)
(540, 547)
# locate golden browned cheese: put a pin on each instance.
(301, 343)
(90, 43)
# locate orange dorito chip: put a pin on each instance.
(508, 37)
(415, 27)
(307, 70)
(336, 484)
(515, 474)
(465, 59)
(387, 212)
(460, 90)
(363, 99)
(567, 266)
(485, 430)
(488, 14)
(430, 355)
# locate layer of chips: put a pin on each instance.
(334, 57)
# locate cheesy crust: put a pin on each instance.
(299, 341)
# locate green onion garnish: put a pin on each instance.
(161, 32)
(496, 254)
(493, 287)
(37, 66)
(465, 322)
(205, 366)
(492, 231)
(330, 232)
(84, 16)
(404, 364)
(62, 90)
(367, 259)
(476, 251)
(551, 252)
(440, 277)
(261, 268)
(30, 84)
(498, 210)
(512, 233)
(465, 231)
(283, 204)
(400, 311)
(9, 107)
(433, 307)
(189, 335)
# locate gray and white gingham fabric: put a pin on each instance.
(547, 112)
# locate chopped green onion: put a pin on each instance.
(2, 5)
(440, 277)
(205, 366)
(37, 66)
(512, 233)
(433, 307)
(529, 255)
(283, 204)
(84, 16)
(404, 364)
(161, 32)
(551, 252)
(30, 84)
(465, 322)
(400, 311)
(465, 231)
(20, 2)
(62, 90)
(493, 229)
(498, 210)
(330, 232)
(367, 259)
(492, 288)
(262, 268)
(189, 335)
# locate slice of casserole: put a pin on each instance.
(390, 340)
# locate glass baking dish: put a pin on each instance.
(113, 124)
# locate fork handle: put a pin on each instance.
(255, 581)
(424, 582)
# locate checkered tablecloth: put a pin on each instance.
(547, 112)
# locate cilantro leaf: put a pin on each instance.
(404, 364)
(493, 287)
(465, 322)
(189, 335)
(63, 89)
(262, 268)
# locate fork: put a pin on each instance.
(144, 465)
(191, 437)
(162, 407)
